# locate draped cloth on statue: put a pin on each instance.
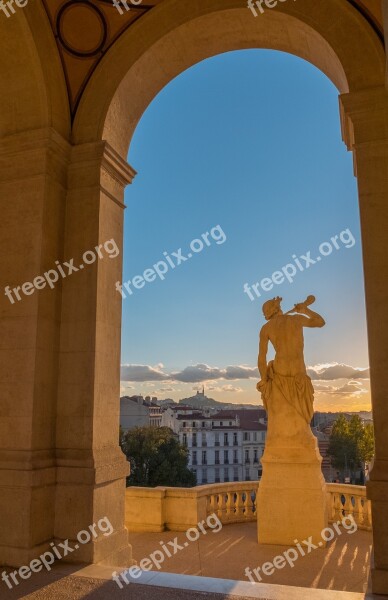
(295, 390)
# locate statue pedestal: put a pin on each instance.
(291, 500)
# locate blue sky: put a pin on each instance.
(248, 141)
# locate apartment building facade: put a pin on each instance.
(226, 446)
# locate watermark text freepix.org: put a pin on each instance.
(59, 551)
(51, 276)
(291, 555)
(167, 550)
(252, 4)
(8, 7)
(120, 5)
(304, 262)
(171, 261)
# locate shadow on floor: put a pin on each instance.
(343, 565)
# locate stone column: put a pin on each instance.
(33, 171)
(365, 129)
(91, 468)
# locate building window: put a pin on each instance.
(226, 474)
(204, 459)
(255, 458)
(255, 436)
(246, 436)
(235, 456)
(235, 441)
(194, 439)
(217, 457)
(226, 442)
(226, 457)
(217, 475)
(204, 475)
(203, 424)
(184, 423)
(194, 457)
(221, 423)
(235, 474)
(204, 443)
(247, 476)
(194, 425)
(217, 439)
(185, 439)
(247, 456)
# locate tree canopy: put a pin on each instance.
(351, 443)
(156, 458)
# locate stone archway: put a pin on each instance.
(90, 165)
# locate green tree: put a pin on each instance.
(156, 458)
(367, 444)
(351, 443)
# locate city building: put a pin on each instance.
(136, 411)
(226, 446)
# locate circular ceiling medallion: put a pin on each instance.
(81, 28)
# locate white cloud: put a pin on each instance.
(202, 372)
(352, 387)
(225, 388)
(142, 373)
(336, 371)
(319, 387)
(324, 376)
(197, 373)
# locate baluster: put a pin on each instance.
(347, 506)
(211, 505)
(223, 498)
(337, 507)
(368, 514)
(240, 506)
(331, 506)
(358, 513)
(234, 500)
(249, 505)
(254, 502)
(228, 504)
(246, 504)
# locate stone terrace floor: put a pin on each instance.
(343, 565)
(213, 569)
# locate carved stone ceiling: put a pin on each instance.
(85, 30)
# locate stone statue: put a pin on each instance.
(291, 497)
(285, 387)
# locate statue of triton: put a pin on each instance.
(292, 496)
(285, 387)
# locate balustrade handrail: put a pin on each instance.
(235, 502)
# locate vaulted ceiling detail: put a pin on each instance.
(85, 29)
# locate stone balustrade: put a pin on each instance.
(232, 502)
(344, 500)
(177, 509)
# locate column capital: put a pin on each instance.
(364, 117)
(98, 164)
